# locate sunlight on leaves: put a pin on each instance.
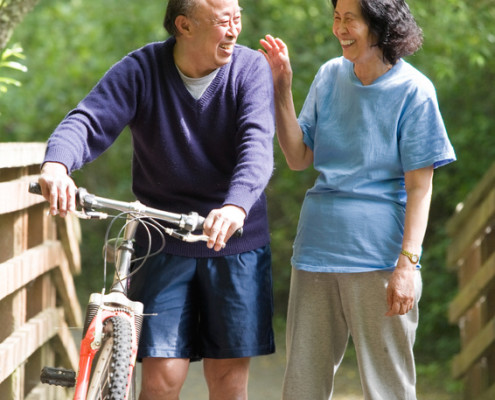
(7, 62)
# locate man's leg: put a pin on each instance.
(227, 379)
(236, 310)
(162, 378)
(165, 285)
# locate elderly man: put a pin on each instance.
(200, 110)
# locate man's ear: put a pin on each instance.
(183, 24)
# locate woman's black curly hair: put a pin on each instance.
(391, 22)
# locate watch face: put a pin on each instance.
(414, 258)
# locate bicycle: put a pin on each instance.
(113, 322)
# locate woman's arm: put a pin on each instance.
(400, 291)
(289, 133)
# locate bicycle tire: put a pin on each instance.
(111, 366)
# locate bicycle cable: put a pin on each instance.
(146, 223)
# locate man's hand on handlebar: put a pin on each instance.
(221, 224)
(58, 188)
(60, 191)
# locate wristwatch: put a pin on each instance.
(414, 258)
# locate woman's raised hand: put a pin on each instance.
(277, 55)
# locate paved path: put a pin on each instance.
(265, 380)
(266, 375)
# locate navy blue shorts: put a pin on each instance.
(218, 307)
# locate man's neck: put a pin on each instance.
(188, 64)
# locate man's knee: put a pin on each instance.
(227, 378)
(163, 378)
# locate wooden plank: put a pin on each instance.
(7, 237)
(8, 318)
(489, 394)
(472, 230)
(41, 226)
(474, 350)
(473, 290)
(20, 154)
(19, 312)
(486, 184)
(69, 231)
(16, 349)
(22, 269)
(41, 294)
(65, 340)
(13, 388)
(49, 392)
(14, 195)
(20, 237)
(67, 291)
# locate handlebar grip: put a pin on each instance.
(237, 234)
(34, 188)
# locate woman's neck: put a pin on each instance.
(369, 72)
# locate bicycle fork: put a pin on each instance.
(103, 308)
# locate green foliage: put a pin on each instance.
(70, 44)
(458, 55)
(6, 62)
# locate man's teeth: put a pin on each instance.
(226, 46)
(346, 42)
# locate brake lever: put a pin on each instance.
(185, 236)
(89, 214)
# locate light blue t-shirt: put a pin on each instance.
(364, 138)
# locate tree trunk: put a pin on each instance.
(11, 13)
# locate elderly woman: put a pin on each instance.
(371, 127)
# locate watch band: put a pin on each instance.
(414, 258)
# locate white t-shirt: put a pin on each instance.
(197, 86)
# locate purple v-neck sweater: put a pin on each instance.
(189, 155)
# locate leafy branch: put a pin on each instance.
(7, 61)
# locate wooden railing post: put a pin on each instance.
(38, 302)
(472, 255)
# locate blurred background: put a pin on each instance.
(68, 45)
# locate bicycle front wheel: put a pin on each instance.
(112, 364)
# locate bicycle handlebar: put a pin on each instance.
(89, 202)
(186, 222)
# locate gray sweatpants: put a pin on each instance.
(324, 308)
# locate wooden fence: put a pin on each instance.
(472, 255)
(38, 256)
